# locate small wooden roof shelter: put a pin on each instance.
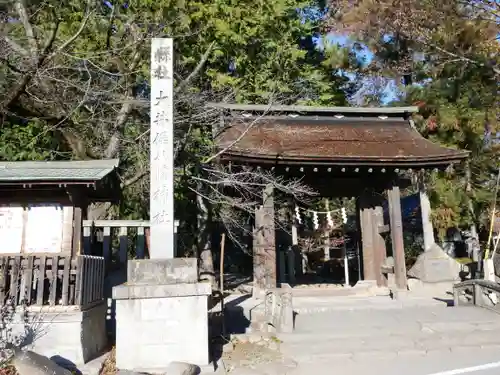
(340, 151)
(95, 179)
(70, 185)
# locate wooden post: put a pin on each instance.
(326, 235)
(366, 224)
(264, 257)
(299, 264)
(380, 249)
(398, 251)
(80, 203)
(290, 261)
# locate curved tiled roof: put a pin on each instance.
(329, 140)
(35, 171)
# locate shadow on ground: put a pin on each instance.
(224, 324)
(66, 363)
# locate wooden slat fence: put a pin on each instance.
(52, 280)
(116, 240)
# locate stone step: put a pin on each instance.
(327, 320)
(413, 328)
(389, 328)
(312, 305)
(391, 345)
(317, 343)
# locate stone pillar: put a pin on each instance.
(161, 315)
(425, 208)
(264, 246)
(398, 251)
(278, 308)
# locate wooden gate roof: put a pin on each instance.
(328, 136)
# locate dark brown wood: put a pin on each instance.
(264, 258)
(29, 277)
(368, 244)
(398, 251)
(79, 281)
(90, 276)
(87, 240)
(41, 281)
(99, 279)
(106, 244)
(65, 282)
(77, 231)
(139, 252)
(53, 281)
(367, 224)
(72, 294)
(379, 245)
(14, 280)
(4, 272)
(15, 195)
(123, 249)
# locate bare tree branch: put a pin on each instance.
(196, 70)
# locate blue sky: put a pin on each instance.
(367, 55)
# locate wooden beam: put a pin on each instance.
(367, 239)
(379, 245)
(296, 108)
(398, 251)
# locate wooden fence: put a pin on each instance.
(117, 241)
(51, 280)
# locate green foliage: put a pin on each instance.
(32, 141)
(262, 52)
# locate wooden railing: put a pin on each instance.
(117, 240)
(52, 280)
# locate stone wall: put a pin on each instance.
(72, 335)
(168, 329)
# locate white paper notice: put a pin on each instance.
(11, 229)
(44, 229)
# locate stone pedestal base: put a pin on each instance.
(279, 309)
(435, 266)
(66, 333)
(160, 324)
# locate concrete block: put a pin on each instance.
(164, 330)
(162, 271)
(68, 335)
(126, 291)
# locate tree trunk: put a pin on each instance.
(207, 272)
